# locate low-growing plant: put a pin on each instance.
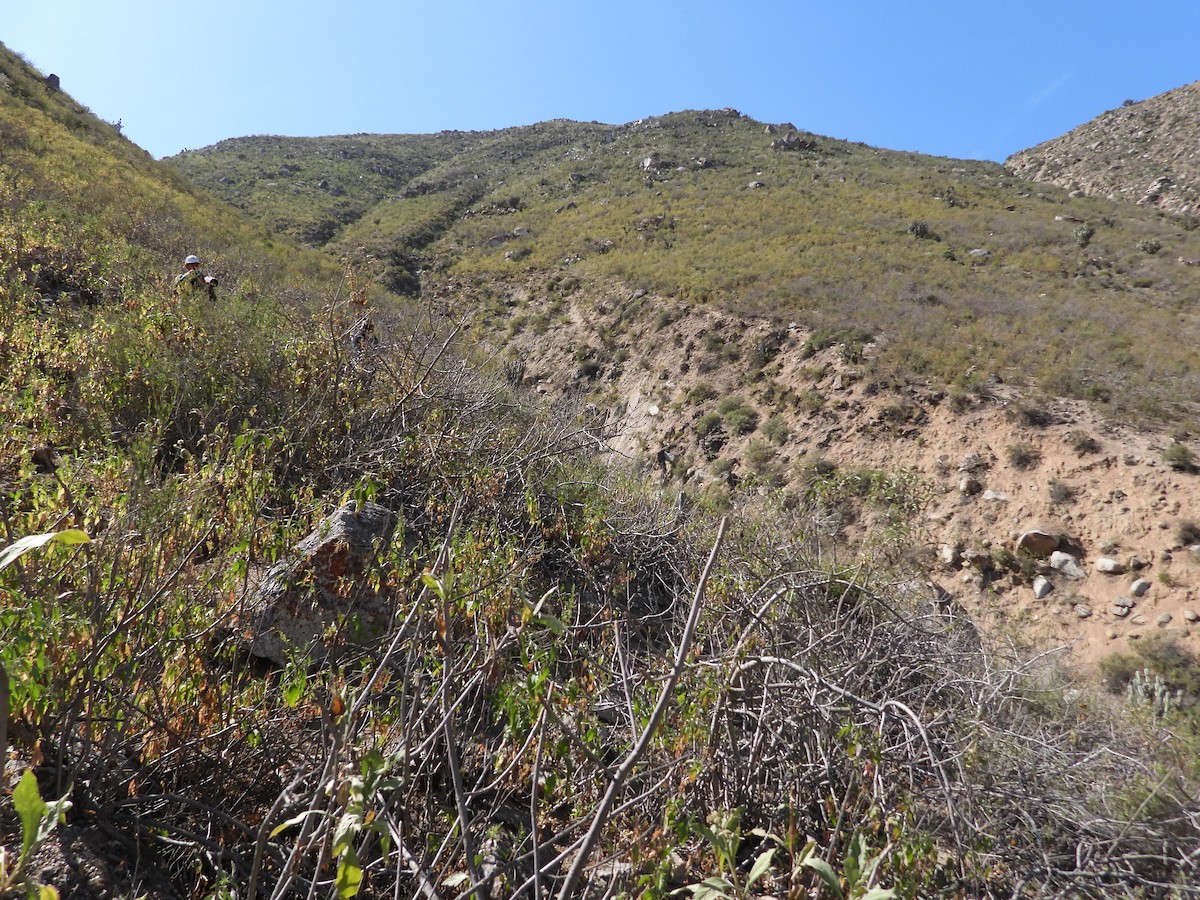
(1187, 532)
(708, 423)
(776, 430)
(1180, 458)
(1082, 442)
(1022, 456)
(759, 456)
(741, 420)
(1060, 491)
(700, 392)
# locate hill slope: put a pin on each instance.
(1147, 152)
(746, 307)
(296, 601)
(961, 270)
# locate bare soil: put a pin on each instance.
(634, 358)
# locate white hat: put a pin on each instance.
(192, 259)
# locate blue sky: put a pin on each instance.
(973, 80)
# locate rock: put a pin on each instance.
(1136, 563)
(974, 463)
(968, 485)
(320, 585)
(1042, 587)
(1110, 566)
(950, 555)
(1139, 587)
(1067, 564)
(1138, 620)
(995, 496)
(1191, 615)
(1038, 541)
(755, 185)
(977, 559)
(1124, 602)
(1164, 619)
(1082, 611)
(1120, 611)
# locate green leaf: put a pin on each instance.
(46, 892)
(554, 623)
(761, 866)
(294, 820)
(349, 875)
(825, 871)
(711, 889)
(456, 880)
(28, 803)
(16, 550)
(879, 894)
(347, 830)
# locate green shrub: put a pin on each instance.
(776, 430)
(1180, 458)
(700, 392)
(708, 423)
(729, 404)
(759, 455)
(1149, 245)
(741, 420)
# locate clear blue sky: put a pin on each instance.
(963, 79)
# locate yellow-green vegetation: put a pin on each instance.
(571, 671)
(963, 269)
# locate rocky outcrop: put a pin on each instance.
(1145, 152)
(319, 598)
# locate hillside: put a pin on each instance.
(858, 309)
(319, 590)
(1146, 152)
(965, 272)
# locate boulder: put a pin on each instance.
(1042, 587)
(979, 560)
(1039, 540)
(1139, 587)
(1110, 566)
(1067, 564)
(321, 586)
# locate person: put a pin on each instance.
(195, 280)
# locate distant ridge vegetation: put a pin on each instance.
(964, 272)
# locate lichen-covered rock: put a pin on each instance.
(320, 597)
